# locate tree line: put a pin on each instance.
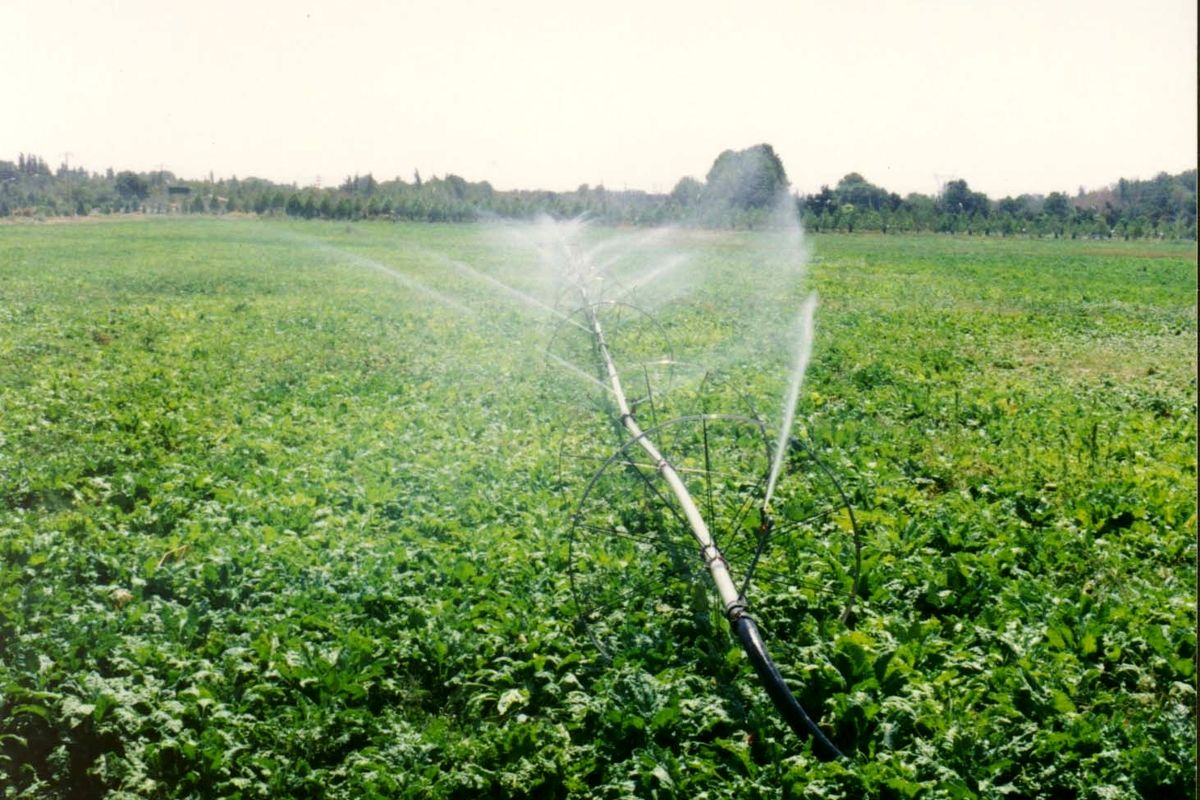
(1162, 207)
(742, 189)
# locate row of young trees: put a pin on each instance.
(1164, 207)
(743, 189)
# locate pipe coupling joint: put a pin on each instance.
(736, 610)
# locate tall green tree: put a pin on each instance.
(132, 186)
(957, 198)
(753, 178)
(1057, 205)
(858, 191)
(687, 192)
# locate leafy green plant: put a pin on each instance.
(275, 524)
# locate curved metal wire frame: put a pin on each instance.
(621, 456)
(586, 310)
(742, 624)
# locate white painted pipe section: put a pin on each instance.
(717, 566)
(735, 608)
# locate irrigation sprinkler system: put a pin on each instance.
(684, 479)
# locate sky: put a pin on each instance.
(1014, 96)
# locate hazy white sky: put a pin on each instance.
(1012, 96)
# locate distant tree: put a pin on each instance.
(1010, 205)
(1056, 208)
(1082, 221)
(886, 220)
(847, 215)
(923, 211)
(822, 202)
(1057, 205)
(858, 191)
(753, 178)
(871, 220)
(1005, 223)
(957, 198)
(32, 165)
(687, 192)
(456, 185)
(132, 186)
(1031, 204)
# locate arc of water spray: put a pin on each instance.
(603, 248)
(513, 291)
(410, 282)
(670, 265)
(358, 260)
(802, 352)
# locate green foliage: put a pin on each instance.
(957, 198)
(744, 181)
(131, 186)
(687, 192)
(855, 190)
(1162, 208)
(276, 525)
(742, 190)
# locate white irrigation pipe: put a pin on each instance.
(717, 566)
(735, 605)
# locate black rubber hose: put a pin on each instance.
(787, 704)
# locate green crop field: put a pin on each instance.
(283, 513)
